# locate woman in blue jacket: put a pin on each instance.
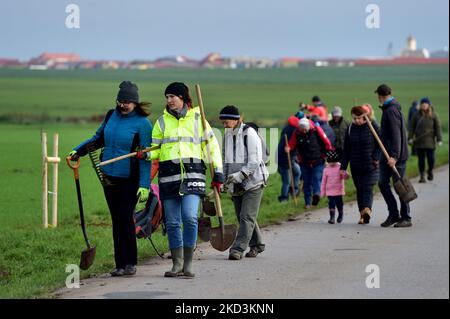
(124, 128)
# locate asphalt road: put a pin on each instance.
(308, 258)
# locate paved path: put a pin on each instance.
(308, 258)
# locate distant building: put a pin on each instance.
(289, 62)
(411, 50)
(9, 63)
(54, 60)
(215, 61)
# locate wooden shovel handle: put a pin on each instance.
(377, 138)
(74, 166)
(119, 158)
(208, 152)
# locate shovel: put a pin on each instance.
(222, 237)
(87, 255)
(204, 227)
(402, 186)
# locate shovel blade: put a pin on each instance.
(223, 240)
(87, 257)
(208, 207)
(204, 228)
(405, 190)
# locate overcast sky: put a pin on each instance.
(140, 29)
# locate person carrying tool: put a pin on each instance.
(246, 176)
(283, 162)
(311, 144)
(424, 134)
(362, 152)
(393, 136)
(124, 129)
(181, 176)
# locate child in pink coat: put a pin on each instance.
(333, 186)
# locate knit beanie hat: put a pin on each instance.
(128, 91)
(178, 89)
(337, 111)
(425, 100)
(229, 112)
(304, 123)
(332, 157)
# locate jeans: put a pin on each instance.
(247, 209)
(286, 180)
(312, 178)
(384, 183)
(121, 199)
(177, 210)
(429, 154)
(364, 191)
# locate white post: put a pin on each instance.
(44, 180)
(55, 182)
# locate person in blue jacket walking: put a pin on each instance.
(124, 129)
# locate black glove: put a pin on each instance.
(218, 178)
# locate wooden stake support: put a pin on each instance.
(54, 160)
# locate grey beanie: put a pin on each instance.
(337, 111)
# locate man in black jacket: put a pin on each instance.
(393, 136)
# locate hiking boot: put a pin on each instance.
(177, 261)
(422, 178)
(130, 270)
(234, 255)
(430, 175)
(403, 223)
(361, 219)
(118, 272)
(187, 266)
(315, 200)
(307, 206)
(340, 218)
(282, 199)
(390, 221)
(365, 214)
(253, 252)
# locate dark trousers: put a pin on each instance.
(336, 202)
(427, 153)
(121, 199)
(364, 192)
(384, 183)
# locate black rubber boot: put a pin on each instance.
(331, 220)
(430, 175)
(422, 178)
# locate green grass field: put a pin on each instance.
(33, 260)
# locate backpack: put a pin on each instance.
(147, 220)
(266, 152)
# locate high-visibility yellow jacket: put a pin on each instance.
(182, 155)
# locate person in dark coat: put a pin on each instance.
(311, 144)
(413, 109)
(393, 136)
(283, 163)
(424, 134)
(339, 126)
(362, 152)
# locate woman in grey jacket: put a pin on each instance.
(246, 175)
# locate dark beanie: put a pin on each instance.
(229, 112)
(315, 99)
(425, 100)
(383, 90)
(128, 91)
(178, 89)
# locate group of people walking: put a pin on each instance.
(325, 150)
(320, 153)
